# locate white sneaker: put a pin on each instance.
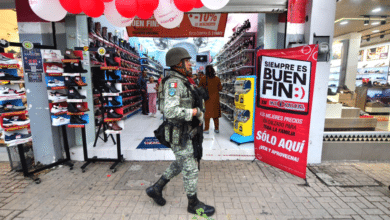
(4, 91)
(6, 60)
(21, 122)
(54, 69)
(56, 109)
(60, 121)
(55, 83)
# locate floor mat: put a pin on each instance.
(344, 176)
(141, 175)
(151, 143)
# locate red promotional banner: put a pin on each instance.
(285, 80)
(193, 25)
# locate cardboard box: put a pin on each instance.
(348, 99)
(350, 112)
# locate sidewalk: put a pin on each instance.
(238, 190)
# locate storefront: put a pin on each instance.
(357, 115)
(101, 85)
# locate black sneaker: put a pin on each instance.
(78, 68)
(112, 114)
(69, 68)
(74, 94)
(111, 88)
(74, 119)
(69, 81)
(7, 76)
(115, 102)
(72, 109)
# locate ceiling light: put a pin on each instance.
(375, 31)
(343, 22)
(376, 23)
(377, 10)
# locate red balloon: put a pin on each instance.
(71, 6)
(127, 8)
(92, 8)
(144, 14)
(185, 5)
(147, 5)
(198, 4)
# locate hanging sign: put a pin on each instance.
(283, 108)
(193, 25)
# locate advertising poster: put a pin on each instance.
(285, 80)
(377, 53)
(32, 60)
(361, 55)
(193, 25)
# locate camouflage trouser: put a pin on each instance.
(185, 162)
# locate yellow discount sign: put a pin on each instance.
(101, 51)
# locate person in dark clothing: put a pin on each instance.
(142, 86)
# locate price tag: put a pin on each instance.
(18, 136)
(112, 110)
(71, 91)
(9, 106)
(110, 99)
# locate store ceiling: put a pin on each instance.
(356, 9)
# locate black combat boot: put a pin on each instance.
(155, 191)
(199, 208)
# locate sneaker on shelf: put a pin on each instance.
(7, 122)
(8, 107)
(52, 55)
(55, 83)
(20, 122)
(57, 121)
(74, 119)
(55, 96)
(56, 109)
(10, 139)
(114, 126)
(7, 76)
(6, 60)
(54, 69)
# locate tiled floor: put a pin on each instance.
(215, 146)
(239, 190)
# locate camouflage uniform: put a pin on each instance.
(177, 108)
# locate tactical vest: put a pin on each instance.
(175, 127)
(186, 100)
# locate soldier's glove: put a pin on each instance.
(200, 116)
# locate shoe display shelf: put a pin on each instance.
(334, 78)
(376, 74)
(153, 67)
(14, 122)
(237, 58)
(65, 81)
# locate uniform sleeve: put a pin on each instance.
(172, 102)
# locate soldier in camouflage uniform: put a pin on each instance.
(177, 106)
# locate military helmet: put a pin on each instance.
(175, 55)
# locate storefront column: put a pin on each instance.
(320, 22)
(349, 61)
(47, 145)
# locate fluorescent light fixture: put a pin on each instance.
(375, 31)
(377, 10)
(375, 23)
(343, 22)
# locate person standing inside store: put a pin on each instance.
(142, 86)
(213, 107)
(179, 109)
(152, 96)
